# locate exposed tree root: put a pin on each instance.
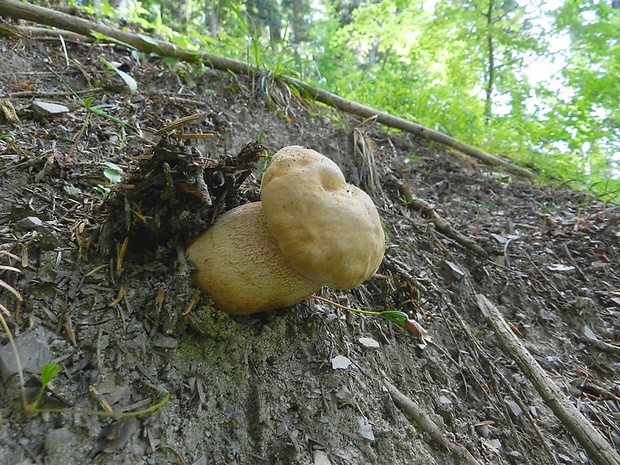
(441, 224)
(415, 414)
(597, 447)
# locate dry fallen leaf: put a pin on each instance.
(114, 436)
(417, 329)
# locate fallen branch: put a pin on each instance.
(441, 224)
(19, 10)
(415, 414)
(596, 446)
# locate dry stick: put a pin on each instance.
(597, 448)
(492, 370)
(45, 33)
(386, 119)
(441, 224)
(414, 413)
(17, 9)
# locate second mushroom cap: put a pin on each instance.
(329, 230)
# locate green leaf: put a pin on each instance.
(112, 175)
(105, 38)
(48, 372)
(102, 190)
(396, 317)
(132, 85)
(149, 40)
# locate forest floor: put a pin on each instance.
(106, 289)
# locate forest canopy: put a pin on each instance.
(532, 81)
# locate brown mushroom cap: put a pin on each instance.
(240, 265)
(329, 230)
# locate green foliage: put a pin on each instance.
(474, 69)
(48, 373)
(131, 83)
(113, 173)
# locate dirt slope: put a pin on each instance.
(263, 389)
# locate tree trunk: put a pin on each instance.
(488, 104)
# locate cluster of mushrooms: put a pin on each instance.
(310, 229)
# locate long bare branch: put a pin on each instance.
(19, 10)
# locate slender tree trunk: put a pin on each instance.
(296, 21)
(187, 10)
(275, 32)
(213, 22)
(488, 104)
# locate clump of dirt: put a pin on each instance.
(107, 293)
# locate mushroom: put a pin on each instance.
(239, 264)
(328, 229)
(310, 229)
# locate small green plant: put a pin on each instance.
(93, 109)
(394, 316)
(48, 373)
(113, 173)
(131, 83)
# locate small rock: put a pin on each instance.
(583, 303)
(444, 404)
(47, 236)
(514, 408)
(320, 458)
(545, 316)
(343, 394)
(28, 223)
(495, 444)
(340, 362)
(136, 98)
(368, 343)
(42, 110)
(599, 265)
(58, 446)
(483, 431)
(33, 350)
(561, 268)
(165, 342)
(453, 270)
(587, 332)
(365, 429)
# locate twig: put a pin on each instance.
(442, 225)
(601, 345)
(415, 414)
(597, 448)
(492, 371)
(570, 257)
